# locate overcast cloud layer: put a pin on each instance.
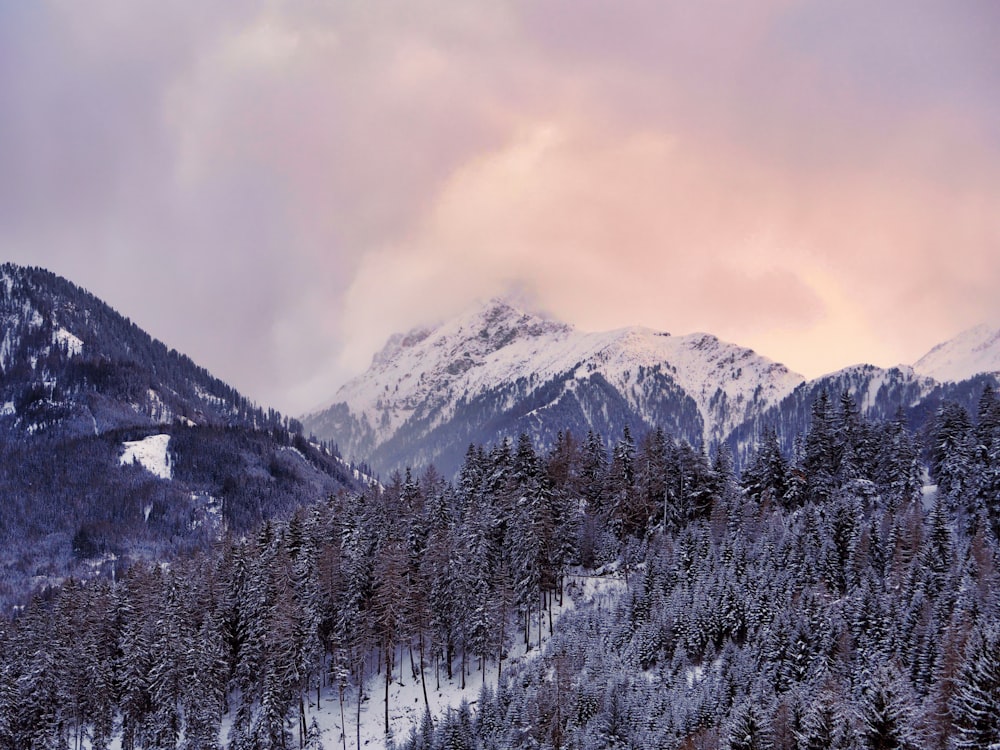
(275, 187)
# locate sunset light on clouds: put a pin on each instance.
(275, 187)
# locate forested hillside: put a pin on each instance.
(826, 599)
(78, 382)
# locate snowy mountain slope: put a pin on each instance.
(972, 352)
(70, 362)
(488, 366)
(877, 392)
(110, 441)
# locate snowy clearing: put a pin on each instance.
(151, 453)
(72, 344)
(406, 697)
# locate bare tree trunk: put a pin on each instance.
(541, 618)
(302, 717)
(388, 682)
(343, 721)
(503, 622)
(361, 690)
(423, 680)
(450, 655)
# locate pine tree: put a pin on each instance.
(457, 730)
(820, 460)
(651, 479)
(951, 460)
(389, 603)
(165, 672)
(695, 480)
(898, 473)
(134, 603)
(748, 729)
(593, 470)
(528, 533)
(203, 687)
(848, 441)
(886, 713)
(563, 482)
(766, 476)
(314, 737)
(987, 459)
(825, 726)
(621, 489)
(976, 702)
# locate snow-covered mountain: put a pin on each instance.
(972, 352)
(72, 364)
(956, 370)
(498, 370)
(877, 392)
(113, 445)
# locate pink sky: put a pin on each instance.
(275, 187)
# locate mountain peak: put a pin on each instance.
(974, 351)
(505, 308)
(499, 369)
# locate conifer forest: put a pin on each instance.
(844, 596)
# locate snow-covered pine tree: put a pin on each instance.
(887, 707)
(820, 459)
(748, 728)
(976, 702)
(826, 724)
(951, 460)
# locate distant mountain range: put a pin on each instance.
(498, 370)
(113, 446)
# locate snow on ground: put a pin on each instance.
(297, 452)
(151, 453)
(928, 495)
(158, 409)
(406, 700)
(73, 344)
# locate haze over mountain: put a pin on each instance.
(498, 370)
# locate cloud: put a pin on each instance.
(274, 187)
(779, 177)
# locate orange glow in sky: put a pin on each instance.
(818, 180)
